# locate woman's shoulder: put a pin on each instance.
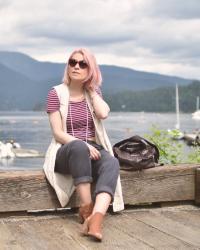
(61, 87)
(52, 93)
(52, 103)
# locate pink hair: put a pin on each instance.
(94, 77)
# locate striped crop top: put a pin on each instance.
(77, 115)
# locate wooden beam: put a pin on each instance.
(161, 184)
(197, 186)
(24, 190)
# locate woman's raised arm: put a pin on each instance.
(101, 108)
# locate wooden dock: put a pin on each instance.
(161, 212)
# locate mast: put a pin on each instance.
(197, 107)
(177, 126)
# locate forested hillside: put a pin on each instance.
(156, 100)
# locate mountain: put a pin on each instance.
(25, 81)
(117, 79)
(30, 67)
(17, 90)
(156, 100)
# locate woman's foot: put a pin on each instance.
(93, 226)
(85, 211)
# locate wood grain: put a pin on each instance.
(132, 229)
(24, 190)
(197, 187)
(185, 233)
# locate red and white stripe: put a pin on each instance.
(78, 111)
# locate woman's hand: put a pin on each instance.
(101, 108)
(94, 153)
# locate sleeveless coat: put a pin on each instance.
(63, 184)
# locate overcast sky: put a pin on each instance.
(150, 35)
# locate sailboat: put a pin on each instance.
(194, 138)
(176, 133)
(196, 114)
(177, 125)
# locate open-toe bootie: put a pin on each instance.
(93, 226)
(85, 211)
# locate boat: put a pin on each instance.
(177, 125)
(176, 133)
(192, 139)
(6, 150)
(27, 153)
(11, 149)
(196, 114)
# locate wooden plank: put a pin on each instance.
(132, 229)
(63, 232)
(146, 233)
(181, 231)
(7, 239)
(24, 190)
(43, 233)
(113, 238)
(190, 218)
(161, 184)
(197, 186)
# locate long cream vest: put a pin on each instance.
(63, 184)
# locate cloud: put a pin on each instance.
(4, 4)
(129, 33)
(177, 9)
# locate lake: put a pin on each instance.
(32, 131)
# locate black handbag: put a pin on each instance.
(136, 153)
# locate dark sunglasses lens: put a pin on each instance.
(72, 62)
(83, 65)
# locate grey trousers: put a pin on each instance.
(73, 158)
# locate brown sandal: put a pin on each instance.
(85, 211)
(93, 226)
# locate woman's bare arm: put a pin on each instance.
(57, 129)
(101, 108)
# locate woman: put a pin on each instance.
(80, 152)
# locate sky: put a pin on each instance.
(147, 35)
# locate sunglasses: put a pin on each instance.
(82, 64)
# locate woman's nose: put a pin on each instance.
(76, 66)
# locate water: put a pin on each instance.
(32, 131)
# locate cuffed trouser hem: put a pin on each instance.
(105, 189)
(82, 179)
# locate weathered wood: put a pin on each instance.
(185, 233)
(144, 232)
(168, 183)
(29, 190)
(197, 186)
(189, 218)
(132, 229)
(25, 190)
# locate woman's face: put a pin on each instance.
(77, 68)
